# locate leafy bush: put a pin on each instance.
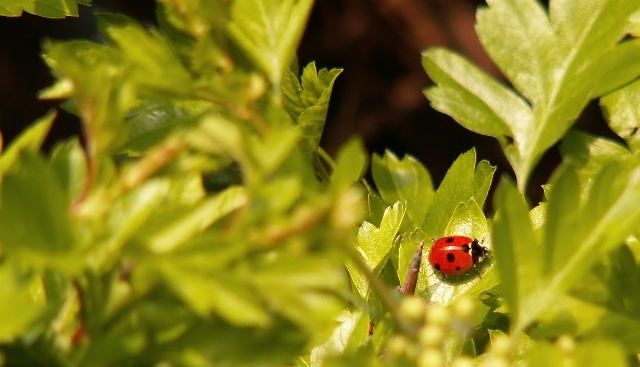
(199, 223)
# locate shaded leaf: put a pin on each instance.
(622, 111)
(588, 153)
(614, 283)
(43, 8)
(518, 260)
(307, 101)
(25, 204)
(21, 297)
(156, 119)
(69, 161)
(219, 294)
(350, 163)
(583, 224)
(404, 180)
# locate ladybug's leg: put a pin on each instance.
(409, 286)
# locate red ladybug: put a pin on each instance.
(453, 255)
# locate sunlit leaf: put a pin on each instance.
(404, 180)
(463, 181)
(269, 31)
(375, 244)
(557, 61)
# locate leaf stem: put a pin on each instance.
(327, 158)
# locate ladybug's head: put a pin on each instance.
(478, 252)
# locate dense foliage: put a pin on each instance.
(199, 223)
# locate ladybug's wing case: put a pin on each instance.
(453, 260)
(452, 255)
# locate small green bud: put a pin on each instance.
(494, 362)
(412, 308)
(464, 308)
(566, 344)
(463, 361)
(500, 345)
(431, 335)
(397, 345)
(437, 314)
(431, 357)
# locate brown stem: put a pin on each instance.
(409, 286)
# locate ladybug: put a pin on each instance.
(453, 255)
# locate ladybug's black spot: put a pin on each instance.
(451, 257)
(457, 268)
(449, 239)
(465, 248)
(437, 266)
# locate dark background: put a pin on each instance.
(378, 96)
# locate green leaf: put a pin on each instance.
(21, 297)
(176, 226)
(114, 348)
(472, 97)
(269, 32)
(30, 140)
(279, 145)
(375, 244)
(464, 180)
(588, 354)
(35, 222)
(307, 101)
(613, 283)
(130, 214)
(43, 8)
(70, 163)
(100, 87)
(518, 260)
(159, 64)
(350, 163)
(622, 111)
(298, 288)
(158, 118)
(403, 180)
(583, 224)
(599, 218)
(350, 333)
(558, 63)
(588, 154)
(219, 293)
(376, 207)
(634, 24)
(618, 68)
